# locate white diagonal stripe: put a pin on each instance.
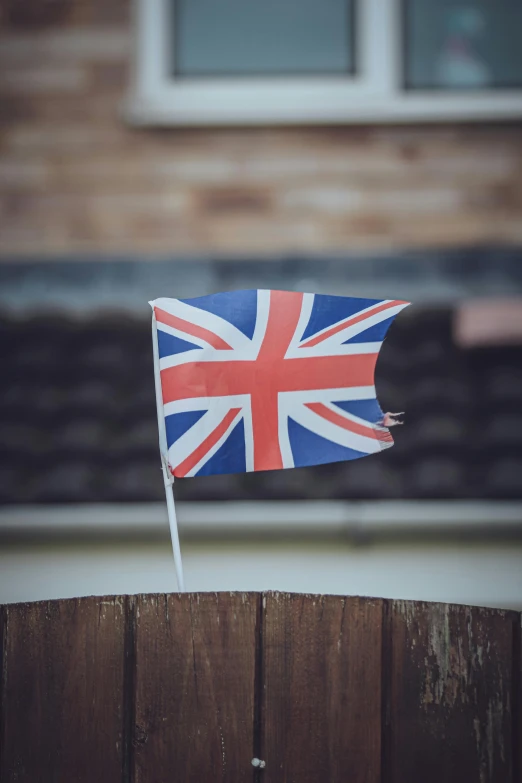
(352, 349)
(363, 311)
(182, 335)
(205, 403)
(355, 419)
(334, 342)
(206, 320)
(293, 398)
(194, 437)
(210, 453)
(326, 429)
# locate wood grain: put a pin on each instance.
(451, 693)
(191, 687)
(194, 703)
(321, 672)
(517, 699)
(62, 691)
(3, 639)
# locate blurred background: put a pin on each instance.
(184, 147)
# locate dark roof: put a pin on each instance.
(78, 418)
(428, 276)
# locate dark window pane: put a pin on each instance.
(451, 44)
(262, 37)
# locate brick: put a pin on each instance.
(473, 164)
(43, 80)
(110, 77)
(367, 226)
(136, 204)
(348, 163)
(97, 12)
(195, 170)
(106, 44)
(233, 199)
(415, 201)
(65, 139)
(502, 196)
(95, 108)
(28, 14)
(14, 108)
(25, 174)
(327, 200)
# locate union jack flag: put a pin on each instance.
(259, 380)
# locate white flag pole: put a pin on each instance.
(168, 478)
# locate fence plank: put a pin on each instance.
(321, 671)
(195, 671)
(517, 701)
(191, 687)
(451, 691)
(62, 691)
(3, 640)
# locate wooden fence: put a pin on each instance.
(322, 689)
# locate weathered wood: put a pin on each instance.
(321, 688)
(451, 694)
(3, 613)
(63, 691)
(517, 700)
(321, 673)
(195, 671)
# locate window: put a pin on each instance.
(273, 37)
(201, 62)
(451, 45)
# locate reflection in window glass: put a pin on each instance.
(454, 44)
(262, 37)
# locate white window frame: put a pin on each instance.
(375, 93)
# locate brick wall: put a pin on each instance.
(75, 179)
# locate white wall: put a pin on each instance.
(481, 574)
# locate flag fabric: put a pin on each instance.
(260, 380)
